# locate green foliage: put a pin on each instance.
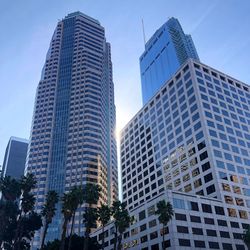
(122, 221)
(48, 211)
(77, 243)
(165, 212)
(246, 237)
(10, 188)
(70, 202)
(89, 218)
(49, 208)
(18, 222)
(104, 214)
(91, 193)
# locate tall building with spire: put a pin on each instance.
(165, 52)
(73, 129)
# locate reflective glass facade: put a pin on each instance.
(15, 157)
(164, 53)
(73, 130)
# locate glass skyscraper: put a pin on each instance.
(164, 53)
(15, 157)
(73, 131)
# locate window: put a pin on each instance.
(213, 245)
(209, 221)
(151, 210)
(181, 217)
(219, 210)
(206, 208)
(181, 229)
(193, 206)
(211, 232)
(144, 238)
(153, 235)
(208, 177)
(199, 243)
(152, 223)
(143, 227)
(205, 166)
(227, 246)
(178, 203)
(222, 223)
(197, 231)
(234, 224)
(203, 156)
(184, 242)
(195, 219)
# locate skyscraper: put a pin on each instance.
(73, 139)
(15, 157)
(188, 145)
(192, 138)
(164, 53)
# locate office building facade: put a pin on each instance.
(198, 223)
(15, 158)
(73, 131)
(164, 53)
(192, 137)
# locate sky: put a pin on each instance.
(220, 30)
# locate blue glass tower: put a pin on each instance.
(73, 131)
(15, 157)
(164, 53)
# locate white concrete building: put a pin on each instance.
(192, 137)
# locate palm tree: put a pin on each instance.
(67, 214)
(104, 214)
(77, 200)
(27, 183)
(122, 221)
(90, 196)
(10, 188)
(19, 221)
(48, 211)
(165, 213)
(11, 191)
(246, 237)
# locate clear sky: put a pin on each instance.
(220, 30)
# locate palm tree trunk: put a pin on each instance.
(119, 242)
(17, 233)
(115, 241)
(62, 245)
(86, 239)
(103, 237)
(44, 234)
(71, 229)
(163, 240)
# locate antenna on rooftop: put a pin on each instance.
(143, 30)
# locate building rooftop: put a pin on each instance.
(79, 13)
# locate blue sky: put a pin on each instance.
(220, 30)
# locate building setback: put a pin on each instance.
(164, 53)
(15, 158)
(72, 138)
(189, 145)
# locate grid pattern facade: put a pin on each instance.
(193, 136)
(199, 223)
(72, 137)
